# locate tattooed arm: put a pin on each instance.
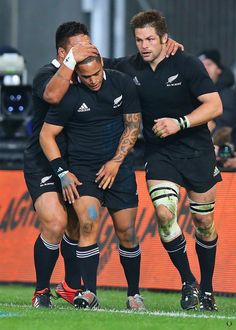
(108, 171)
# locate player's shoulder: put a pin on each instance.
(46, 70)
(184, 58)
(115, 74)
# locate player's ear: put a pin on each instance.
(102, 62)
(164, 38)
(61, 53)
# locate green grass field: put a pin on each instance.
(164, 312)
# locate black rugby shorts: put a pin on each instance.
(122, 194)
(41, 182)
(198, 174)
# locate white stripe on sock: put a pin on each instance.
(48, 245)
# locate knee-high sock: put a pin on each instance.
(130, 259)
(89, 259)
(71, 262)
(206, 252)
(45, 258)
(178, 255)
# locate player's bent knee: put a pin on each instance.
(57, 228)
(203, 218)
(205, 229)
(164, 197)
(127, 238)
(163, 214)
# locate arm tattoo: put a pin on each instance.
(129, 137)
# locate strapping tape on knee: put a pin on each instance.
(206, 231)
(202, 208)
(166, 193)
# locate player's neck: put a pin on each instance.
(157, 60)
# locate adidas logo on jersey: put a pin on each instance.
(118, 102)
(136, 81)
(83, 108)
(171, 79)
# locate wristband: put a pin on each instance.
(183, 122)
(70, 61)
(59, 166)
(63, 174)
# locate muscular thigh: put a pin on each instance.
(49, 207)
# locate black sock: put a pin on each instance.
(178, 255)
(206, 252)
(89, 259)
(130, 259)
(45, 258)
(71, 262)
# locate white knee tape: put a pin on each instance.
(166, 193)
(169, 231)
(201, 208)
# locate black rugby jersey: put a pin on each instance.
(93, 120)
(170, 91)
(34, 158)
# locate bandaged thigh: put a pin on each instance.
(166, 194)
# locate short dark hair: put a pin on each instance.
(89, 59)
(151, 18)
(67, 30)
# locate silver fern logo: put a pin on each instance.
(171, 79)
(45, 181)
(46, 178)
(117, 101)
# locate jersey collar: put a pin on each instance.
(56, 63)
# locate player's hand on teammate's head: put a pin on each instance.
(84, 50)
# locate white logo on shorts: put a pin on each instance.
(216, 171)
(44, 181)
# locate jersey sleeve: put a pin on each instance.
(41, 79)
(197, 77)
(131, 103)
(60, 114)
